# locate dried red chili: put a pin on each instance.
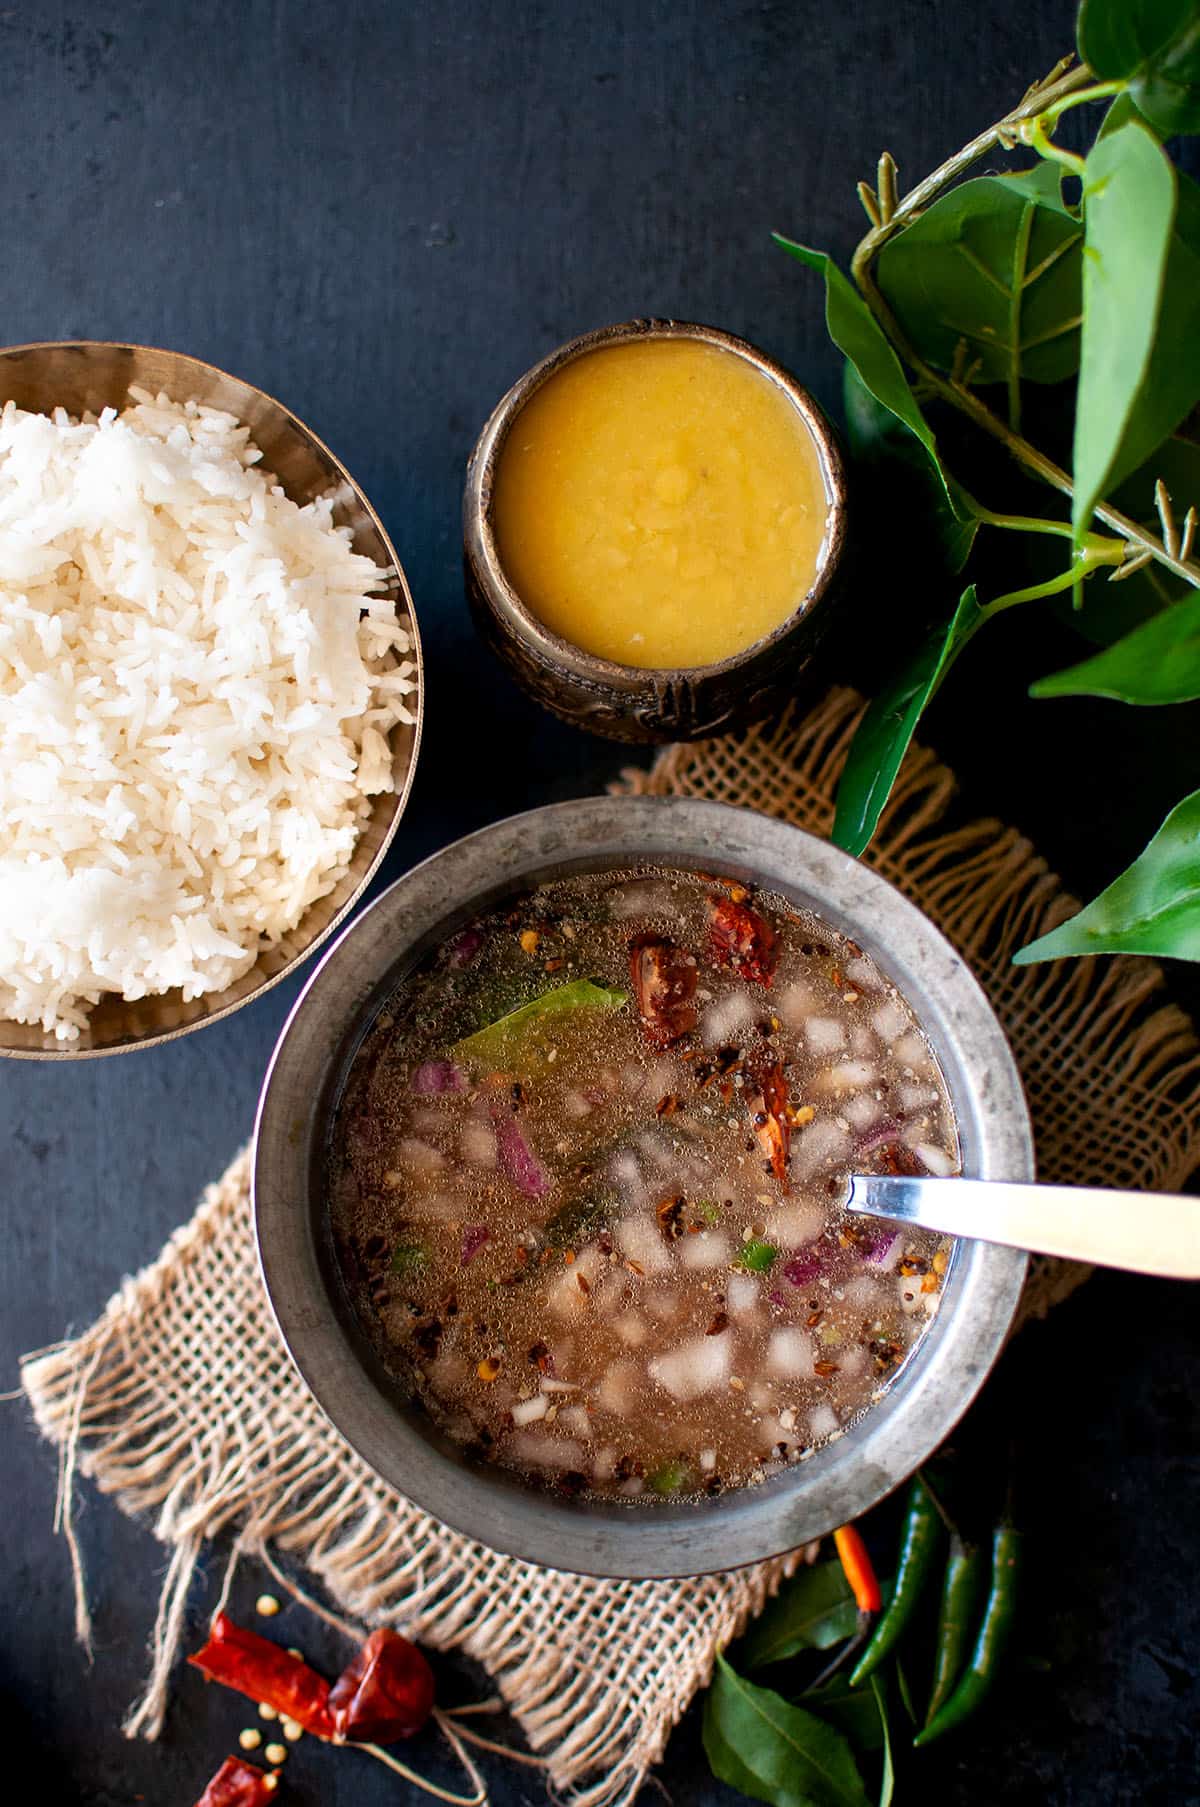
(894, 1157)
(266, 1672)
(741, 938)
(670, 1218)
(768, 1113)
(384, 1694)
(238, 1784)
(664, 981)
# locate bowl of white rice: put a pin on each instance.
(210, 696)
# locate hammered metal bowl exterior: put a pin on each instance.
(625, 702)
(360, 971)
(88, 375)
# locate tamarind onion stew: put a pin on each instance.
(586, 1179)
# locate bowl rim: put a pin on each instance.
(747, 1524)
(338, 920)
(479, 536)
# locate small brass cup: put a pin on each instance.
(627, 702)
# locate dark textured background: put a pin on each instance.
(382, 214)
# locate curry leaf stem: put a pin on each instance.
(1035, 134)
(1098, 91)
(1016, 298)
(1044, 97)
(932, 185)
(1023, 523)
(1089, 559)
(1114, 550)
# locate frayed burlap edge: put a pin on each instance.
(596, 1673)
(181, 1403)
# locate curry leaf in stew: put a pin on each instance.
(600, 1234)
(517, 1036)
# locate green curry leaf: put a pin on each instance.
(886, 729)
(862, 341)
(1122, 110)
(1154, 45)
(905, 1692)
(511, 1035)
(1177, 463)
(887, 1781)
(581, 1218)
(994, 265)
(1042, 183)
(859, 336)
(1152, 908)
(878, 438)
(776, 1752)
(1112, 610)
(812, 1611)
(1159, 662)
(727, 1765)
(1129, 212)
(1171, 386)
(851, 1711)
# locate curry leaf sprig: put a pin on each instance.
(967, 293)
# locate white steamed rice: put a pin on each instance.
(197, 682)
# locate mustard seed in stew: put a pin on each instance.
(586, 1180)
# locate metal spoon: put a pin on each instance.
(1145, 1232)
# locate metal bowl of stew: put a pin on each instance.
(362, 969)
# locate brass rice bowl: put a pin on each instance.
(90, 375)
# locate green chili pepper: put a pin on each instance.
(918, 1544)
(990, 1642)
(964, 1570)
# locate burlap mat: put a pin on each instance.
(181, 1402)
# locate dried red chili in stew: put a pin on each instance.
(664, 983)
(238, 1784)
(266, 1672)
(385, 1693)
(770, 1118)
(894, 1157)
(741, 938)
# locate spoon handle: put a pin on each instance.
(1146, 1232)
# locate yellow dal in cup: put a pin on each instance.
(659, 502)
